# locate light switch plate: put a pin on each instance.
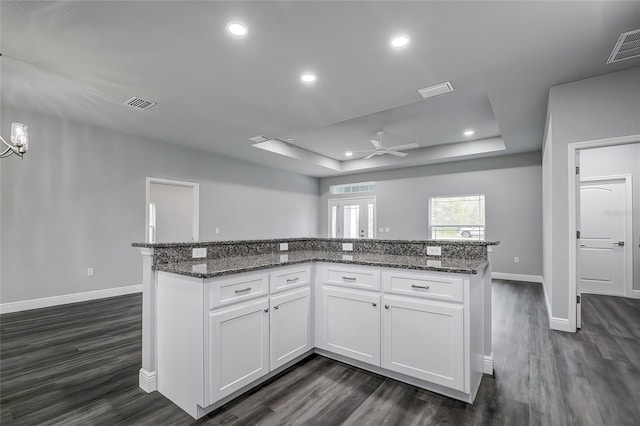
(284, 246)
(387, 229)
(434, 251)
(347, 246)
(381, 229)
(199, 252)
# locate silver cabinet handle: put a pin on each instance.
(423, 287)
(266, 310)
(243, 290)
(619, 244)
(292, 280)
(386, 306)
(374, 304)
(349, 278)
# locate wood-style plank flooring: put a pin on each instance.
(78, 364)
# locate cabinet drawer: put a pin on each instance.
(287, 278)
(423, 285)
(226, 291)
(362, 278)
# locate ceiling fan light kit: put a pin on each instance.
(379, 149)
(19, 141)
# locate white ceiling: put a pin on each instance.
(82, 60)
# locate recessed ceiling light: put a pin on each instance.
(469, 132)
(399, 41)
(237, 29)
(348, 153)
(308, 77)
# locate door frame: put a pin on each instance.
(333, 201)
(628, 231)
(196, 204)
(573, 186)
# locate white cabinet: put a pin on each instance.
(351, 323)
(290, 315)
(424, 339)
(238, 347)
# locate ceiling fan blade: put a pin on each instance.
(369, 156)
(397, 153)
(403, 147)
(375, 143)
(364, 150)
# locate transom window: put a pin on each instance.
(457, 217)
(353, 188)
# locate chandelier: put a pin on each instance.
(19, 141)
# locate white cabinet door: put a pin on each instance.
(351, 324)
(424, 339)
(290, 326)
(238, 347)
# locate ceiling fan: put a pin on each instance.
(381, 150)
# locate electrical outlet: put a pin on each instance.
(284, 246)
(381, 229)
(347, 246)
(284, 258)
(516, 259)
(387, 229)
(434, 251)
(90, 272)
(199, 252)
(217, 230)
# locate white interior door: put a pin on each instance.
(603, 228)
(352, 218)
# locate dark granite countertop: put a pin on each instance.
(232, 265)
(345, 240)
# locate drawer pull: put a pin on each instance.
(374, 304)
(276, 307)
(243, 290)
(386, 306)
(292, 280)
(422, 287)
(349, 278)
(266, 311)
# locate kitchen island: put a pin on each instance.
(219, 325)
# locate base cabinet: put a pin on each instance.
(238, 347)
(424, 339)
(351, 324)
(290, 315)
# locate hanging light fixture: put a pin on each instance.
(19, 141)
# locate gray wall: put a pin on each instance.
(596, 108)
(615, 160)
(77, 200)
(512, 185)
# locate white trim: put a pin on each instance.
(45, 302)
(488, 364)
(516, 277)
(196, 204)
(573, 215)
(148, 380)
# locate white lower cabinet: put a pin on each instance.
(290, 315)
(238, 347)
(424, 339)
(351, 323)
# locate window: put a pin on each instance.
(352, 217)
(457, 218)
(353, 188)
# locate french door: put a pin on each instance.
(352, 217)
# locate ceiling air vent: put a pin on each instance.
(139, 103)
(627, 47)
(259, 138)
(438, 89)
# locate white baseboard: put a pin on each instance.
(148, 380)
(516, 277)
(488, 364)
(45, 302)
(555, 323)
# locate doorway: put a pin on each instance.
(352, 217)
(172, 211)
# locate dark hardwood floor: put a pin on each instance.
(78, 364)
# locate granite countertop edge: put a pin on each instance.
(174, 267)
(284, 240)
